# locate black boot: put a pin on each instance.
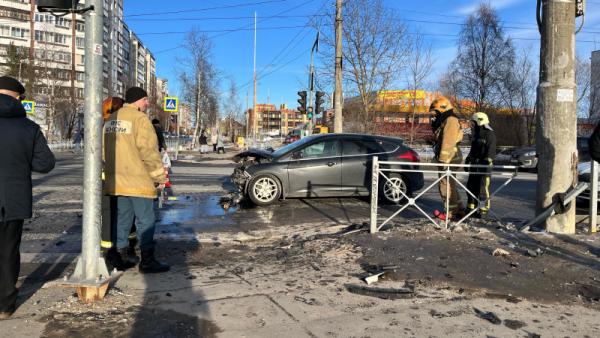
(149, 264)
(118, 260)
(131, 254)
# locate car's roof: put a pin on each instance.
(349, 135)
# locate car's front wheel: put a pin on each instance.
(394, 190)
(264, 190)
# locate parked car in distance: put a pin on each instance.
(293, 136)
(527, 158)
(325, 165)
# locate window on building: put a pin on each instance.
(80, 42)
(80, 26)
(4, 30)
(19, 33)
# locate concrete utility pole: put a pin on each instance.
(557, 118)
(337, 99)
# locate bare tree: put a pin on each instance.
(16, 61)
(484, 57)
(232, 107)
(418, 69)
(583, 79)
(517, 99)
(199, 80)
(375, 52)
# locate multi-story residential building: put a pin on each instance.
(277, 121)
(55, 46)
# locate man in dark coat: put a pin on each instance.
(162, 145)
(594, 144)
(23, 149)
(483, 152)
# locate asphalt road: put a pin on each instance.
(198, 185)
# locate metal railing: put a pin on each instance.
(444, 171)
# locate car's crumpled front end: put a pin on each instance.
(247, 159)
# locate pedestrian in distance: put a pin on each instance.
(483, 152)
(447, 136)
(134, 172)
(214, 139)
(162, 145)
(23, 149)
(203, 140)
(220, 144)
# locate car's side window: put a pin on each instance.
(362, 147)
(329, 148)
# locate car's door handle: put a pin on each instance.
(331, 164)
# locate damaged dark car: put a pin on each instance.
(326, 165)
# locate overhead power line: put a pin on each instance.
(226, 18)
(220, 30)
(247, 4)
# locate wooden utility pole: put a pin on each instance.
(31, 66)
(73, 70)
(254, 115)
(337, 100)
(556, 133)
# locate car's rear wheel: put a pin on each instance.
(264, 190)
(394, 190)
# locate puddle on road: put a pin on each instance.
(190, 208)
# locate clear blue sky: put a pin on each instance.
(285, 21)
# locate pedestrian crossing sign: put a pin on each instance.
(171, 104)
(29, 107)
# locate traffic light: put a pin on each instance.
(62, 7)
(309, 114)
(319, 102)
(52, 5)
(302, 102)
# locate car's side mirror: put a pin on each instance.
(297, 155)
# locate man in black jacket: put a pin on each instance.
(23, 149)
(483, 151)
(162, 145)
(594, 143)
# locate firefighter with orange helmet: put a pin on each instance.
(447, 135)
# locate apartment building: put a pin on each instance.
(58, 45)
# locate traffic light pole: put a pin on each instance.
(311, 81)
(556, 130)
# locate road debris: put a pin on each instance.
(532, 253)
(500, 252)
(514, 324)
(374, 278)
(489, 316)
(383, 293)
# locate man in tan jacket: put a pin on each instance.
(134, 171)
(447, 136)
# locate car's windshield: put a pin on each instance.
(283, 150)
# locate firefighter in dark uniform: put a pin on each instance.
(483, 151)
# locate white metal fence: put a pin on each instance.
(444, 171)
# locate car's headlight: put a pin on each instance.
(529, 153)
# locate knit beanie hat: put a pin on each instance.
(134, 94)
(12, 84)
